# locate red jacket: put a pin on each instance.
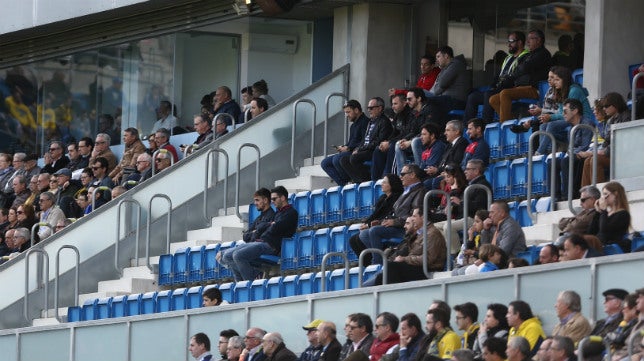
(379, 348)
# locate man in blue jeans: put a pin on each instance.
(284, 224)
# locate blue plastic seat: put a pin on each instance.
(242, 291)
(349, 202)
(318, 206)
(163, 301)
(317, 286)
(611, 249)
(377, 190)
(512, 206)
(119, 306)
(148, 303)
(221, 271)
(524, 138)
(195, 264)
(180, 264)
(210, 262)
(522, 212)
(370, 271)
(365, 199)
(274, 288)
(165, 269)
(337, 243)
(88, 310)
(578, 76)
(306, 284)
(336, 280)
(501, 180)
(305, 249)
(253, 213)
(103, 308)
(493, 138)
(227, 291)
(321, 245)
(334, 204)
(351, 230)
(636, 243)
(302, 206)
(510, 140)
(543, 205)
(288, 256)
(133, 304)
(289, 284)
(489, 172)
(540, 176)
(519, 176)
(353, 277)
(194, 297)
(179, 299)
(258, 290)
(74, 314)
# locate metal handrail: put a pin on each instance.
(39, 224)
(168, 228)
(237, 180)
(326, 121)
(207, 185)
(25, 309)
(118, 232)
(101, 188)
(233, 122)
(553, 172)
(361, 267)
(57, 284)
(466, 202)
(293, 125)
(448, 236)
(346, 269)
(633, 95)
(587, 339)
(154, 157)
(571, 161)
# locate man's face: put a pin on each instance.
(545, 256)
(409, 226)
(374, 109)
(17, 163)
(425, 66)
(160, 139)
(412, 101)
(450, 133)
(381, 331)
(83, 148)
(612, 304)
(407, 331)
(461, 321)
(555, 352)
(561, 308)
(471, 172)
(207, 302)
(312, 336)
(513, 44)
(572, 252)
(161, 162)
(142, 163)
(407, 177)
(55, 150)
(512, 317)
(416, 219)
(278, 200)
(223, 344)
(100, 144)
(351, 113)
(268, 346)
(397, 104)
(43, 182)
(251, 341)
(496, 214)
(429, 323)
(98, 170)
(442, 60)
(18, 240)
(356, 333)
(570, 115)
(128, 138)
(72, 151)
(195, 348)
(426, 137)
(542, 353)
(321, 335)
(512, 353)
(201, 126)
(18, 187)
(62, 179)
(255, 110)
(640, 304)
(220, 126)
(490, 321)
(586, 201)
(533, 41)
(487, 356)
(261, 203)
(221, 96)
(473, 132)
(45, 202)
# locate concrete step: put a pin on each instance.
(315, 170)
(540, 233)
(128, 285)
(154, 261)
(302, 183)
(45, 321)
(62, 311)
(142, 272)
(231, 220)
(215, 234)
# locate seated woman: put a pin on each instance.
(494, 325)
(392, 188)
(614, 219)
(470, 249)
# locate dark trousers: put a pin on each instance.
(354, 165)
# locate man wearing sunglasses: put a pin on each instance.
(56, 158)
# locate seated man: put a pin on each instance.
(203, 128)
(99, 169)
(331, 164)
(133, 148)
(478, 147)
(212, 297)
(270, 243)
(403, 127)
(451, 86)
(143, 170)
(162, 161)
(433, 150)
(102, 149)
(503, 231)
(224, 103)
(454, 152)
(162, 139)
(166, 119)
(257, 107)
(410, 143)
(580, 222)
(428, 74)
(571, 322)
(55, 159)
(576, 247)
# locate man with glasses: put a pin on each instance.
(99, 169)
(410, 143)
(580, 222)
(221, 128)
(203, 128)
(162, 161)
(403, 127)
(133, 148)
(143, 170)
(55, 159)
(613, 304)
(378, 129)
(102, 149)
(224, 337)
(49, 213)
(386, 335)
(67, 188)
(85, 148)
(561, 349)
(162, 139)
(359, 334)
(253, 341)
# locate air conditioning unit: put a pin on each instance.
(272, 43)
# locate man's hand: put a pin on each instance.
(404, 144)
(487, 223)
(387, 222)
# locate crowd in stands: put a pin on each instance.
(504, 332)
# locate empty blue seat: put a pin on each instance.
(119, 306)
(611, 249)
(306, 284)
(578, 76)
(104, 308)
(336, 280)
(513, 209)
(196, 263)
(321, 245)
(377, 190)
(510, 140)
(165, 269)
(370, 271)
(489, 172)
(221, 271)
(318, 206)
(179, 300)
(210, 262)
(492, 136)
(163, 301)
(522, 212)
(337, 243)
(317, 281)
(543, 205)
(301, 205)
(288, 256)
(351, 230)
(88, 310)
(501, 180)
(274, 288)
(242, 291)
(227, 291)
(539, 175)
(180, 266)
(74, 314)
(524, 138)
(519, 176)
(365, 199)
(353, 277)
(148, 303)
(194, 298)
(289, 284)
(349, 202)
(636, 243)
(133, 304)
(258, 290)
(305, 249)
(334, 204)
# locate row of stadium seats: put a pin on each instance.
(189, 298)
(510, 177)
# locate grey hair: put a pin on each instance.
(592, 191)
(236, 342)
(463, 354)
(456, 124)
(105, 137)
(22, 232)
(572, 299)
(521, 344)
(275, 337)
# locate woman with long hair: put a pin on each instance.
(614, 218)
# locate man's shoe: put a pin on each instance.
(518, 128)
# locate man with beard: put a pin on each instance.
(404, 126)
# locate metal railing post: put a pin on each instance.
(634, 95)
(56, 280)
(361, 267)
(466, 203)
(571, 160)
(118, 232)
(294, 124)
(209, 157)
(237, 180)
(25, 309)
(101, 188)
(39, 224)
(154, 157)
(149, 222)
(326, 121)
(448, 236)
(553, 172)
(346, 268)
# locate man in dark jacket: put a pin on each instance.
(274, 347)
(404, 125)
(331, 347)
